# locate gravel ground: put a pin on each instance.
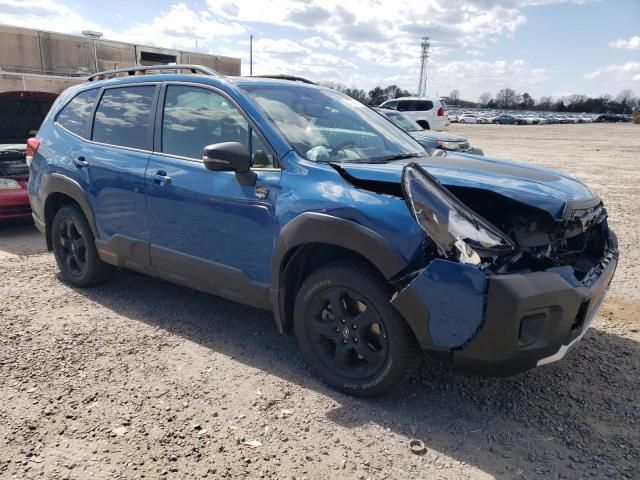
(143, 379)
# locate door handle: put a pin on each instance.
(161, 178)
(80, 162)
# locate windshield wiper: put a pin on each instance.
(400, 156)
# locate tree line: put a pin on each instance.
(506, 99)
(509, 99)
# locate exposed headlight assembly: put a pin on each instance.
(9, 184)
(457, 231)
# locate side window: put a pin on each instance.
(196, 117)
(392, 105)
(124, 116)
(424, 105)
(75, 115)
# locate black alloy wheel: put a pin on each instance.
(75, 250)
(71, 247)
(347, 333)
(350, 334)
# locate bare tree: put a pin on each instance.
(484, 99)
(545, 103)
(507, 98)
(626, 99)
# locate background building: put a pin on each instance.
(35, 60)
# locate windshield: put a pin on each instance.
(402, 121)
(327, 126)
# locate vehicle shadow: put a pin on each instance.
(20, 237)
(566, 420)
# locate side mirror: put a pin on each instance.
(230, 157)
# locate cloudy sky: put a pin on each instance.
(544, 47)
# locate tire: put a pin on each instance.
(75, 250)
(367, 349)
(462, 121)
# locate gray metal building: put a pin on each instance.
(35, 60)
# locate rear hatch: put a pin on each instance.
(21, 114)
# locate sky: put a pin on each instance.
(542, 47)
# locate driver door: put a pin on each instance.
(207, 230)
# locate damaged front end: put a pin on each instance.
(505, 286)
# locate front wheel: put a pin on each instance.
(75, 249)
(350, 334)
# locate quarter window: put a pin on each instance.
(124, 117)
(424, 105)
(75, 114)
(195, 117)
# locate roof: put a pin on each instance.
(412, 98)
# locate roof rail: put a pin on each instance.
(287, 77)
(194, 69)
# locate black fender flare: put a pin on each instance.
(315, 227)
(58, 183)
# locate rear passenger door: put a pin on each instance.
(207, 230)
(115, 161)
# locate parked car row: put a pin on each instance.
(529, 118)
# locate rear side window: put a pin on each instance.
(407, 106)
(124, 117)
(75, 115)
(424, 105)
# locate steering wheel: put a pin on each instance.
(340, 146)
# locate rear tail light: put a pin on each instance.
(32, 148)
(441, 112)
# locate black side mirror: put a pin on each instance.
(230, 157)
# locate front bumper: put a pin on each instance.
(14, 203)
(500, 325)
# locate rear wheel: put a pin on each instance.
(350, 334)
(75, 250)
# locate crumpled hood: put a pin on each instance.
(545, 189)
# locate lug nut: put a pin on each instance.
(355, 340)
(344, 321)
(354, 326)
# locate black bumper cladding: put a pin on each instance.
(531, 320)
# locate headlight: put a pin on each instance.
(448, 145)
(456, 230)
(9, 184)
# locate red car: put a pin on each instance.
(21, 114)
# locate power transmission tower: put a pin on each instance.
(424, 56)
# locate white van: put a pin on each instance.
(429, 113)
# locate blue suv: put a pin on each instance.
(300, 200)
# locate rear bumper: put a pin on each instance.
(15, 203)
(499, 325)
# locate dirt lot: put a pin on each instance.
(143, 379)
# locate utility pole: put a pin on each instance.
(251, 55)
(424, 57)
